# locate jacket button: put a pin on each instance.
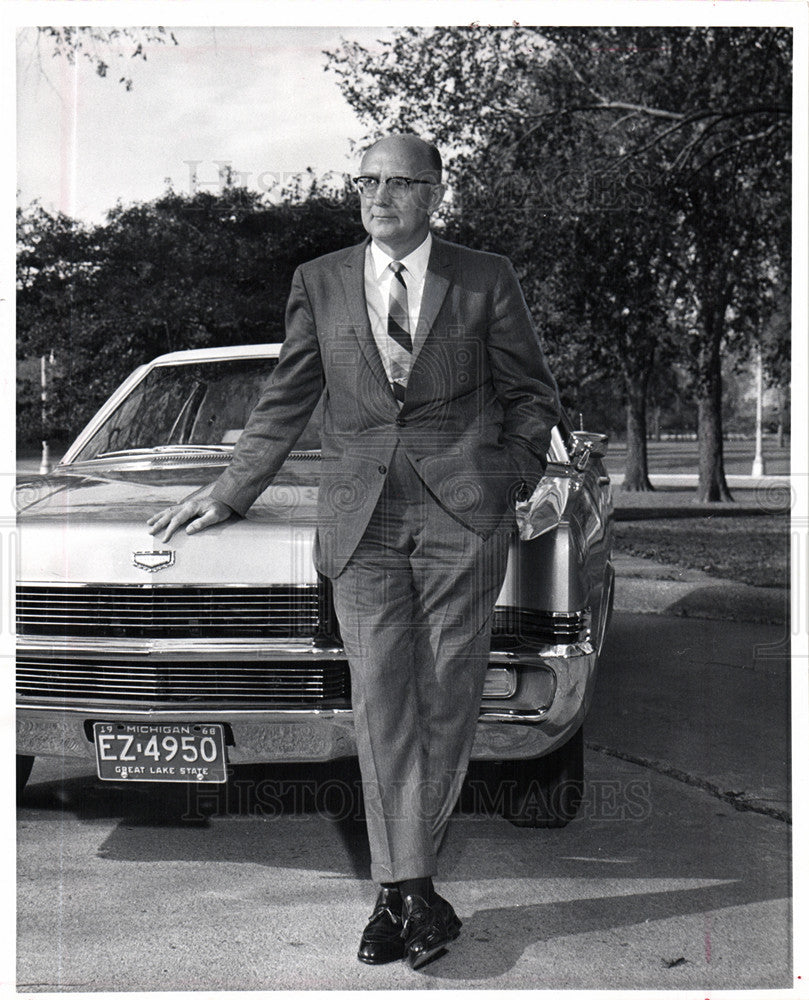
(383, 469)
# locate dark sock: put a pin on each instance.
(418, 887)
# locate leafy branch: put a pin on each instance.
(98, 44)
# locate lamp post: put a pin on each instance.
(758, 460)
(45, 461)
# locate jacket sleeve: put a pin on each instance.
(282, 411)
(522, 379)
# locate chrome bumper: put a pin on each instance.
(300, 735)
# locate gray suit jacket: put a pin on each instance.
(478, 412)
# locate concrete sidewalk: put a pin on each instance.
(647, 587)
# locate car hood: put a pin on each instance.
(90, 526)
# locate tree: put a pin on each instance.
(617, 288)
(178, 272)
(688, 120)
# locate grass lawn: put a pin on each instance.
(683, 456)
(748, 549)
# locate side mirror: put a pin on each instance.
(588, 443)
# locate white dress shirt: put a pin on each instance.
(378, 277)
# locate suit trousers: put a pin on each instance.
(414, 604)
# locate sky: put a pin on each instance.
(256, 97)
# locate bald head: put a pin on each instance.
(424, 155)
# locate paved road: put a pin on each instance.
(674, 876)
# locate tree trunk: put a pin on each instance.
(712, 485)
(780, 417)
(636, 474)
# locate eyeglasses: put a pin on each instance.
(397, 186)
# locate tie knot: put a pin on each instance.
(397, 266)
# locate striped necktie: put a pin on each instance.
(401, 347)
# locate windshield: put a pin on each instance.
(200, 404)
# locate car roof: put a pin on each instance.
(220, 353)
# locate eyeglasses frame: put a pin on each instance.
(409, 181)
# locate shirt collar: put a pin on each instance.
(415, 262)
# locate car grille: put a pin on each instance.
(258, 685)
(156, 612)
(512, 626)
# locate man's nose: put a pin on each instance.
(382, 197)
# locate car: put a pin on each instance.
(183, 661)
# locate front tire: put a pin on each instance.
(24, 765)
(546, 792)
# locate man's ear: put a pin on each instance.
(437, 193)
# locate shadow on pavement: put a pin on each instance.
(645, 848)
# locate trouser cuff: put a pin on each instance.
(415, 867)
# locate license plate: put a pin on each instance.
(160, 751)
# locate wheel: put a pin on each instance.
(546, 791)
(24, 765)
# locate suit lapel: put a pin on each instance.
(436, 286)
(353, 276)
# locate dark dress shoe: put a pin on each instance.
(428, 928)
(382, 940)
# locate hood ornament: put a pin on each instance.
(153, 561)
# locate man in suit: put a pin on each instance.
(437, 409)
